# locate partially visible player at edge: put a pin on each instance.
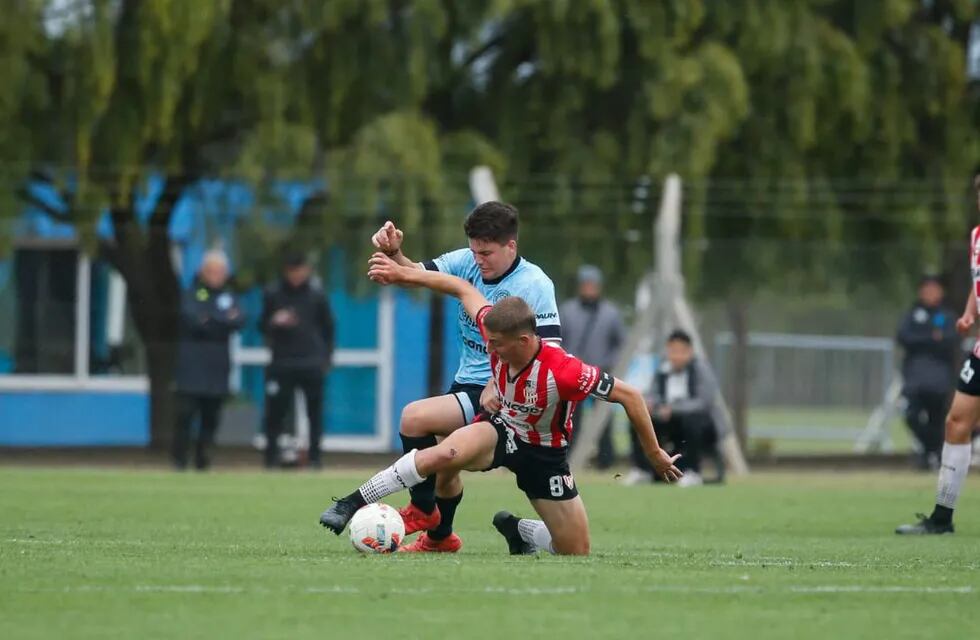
(493, 266)
(537, 385)
(963, 414)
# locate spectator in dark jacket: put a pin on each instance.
(592, 330)
(681, 404)
(299, 330)
(928, 335)
(209, 314)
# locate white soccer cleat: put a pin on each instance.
(637, 476)
(690, 479)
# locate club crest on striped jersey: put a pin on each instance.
(530, 392)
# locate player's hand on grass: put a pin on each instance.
(663, 464)
(965, 323)
(388, 238)
(489, 399)
(384, 270)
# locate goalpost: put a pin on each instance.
(661, 305)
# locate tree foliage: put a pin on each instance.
(838, 123)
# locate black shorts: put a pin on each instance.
(468, 397)
(969, 382)
(542, 472)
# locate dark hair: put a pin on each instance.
(510, 315)
(930, 278)
(492, 222)
(679, 335)
(292, 259)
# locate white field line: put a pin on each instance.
(196, 589)
(729, 561)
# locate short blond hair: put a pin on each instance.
(511, 316)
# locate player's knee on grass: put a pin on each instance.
(571, 544)
(567, 523)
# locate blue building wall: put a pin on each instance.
(75, 418)
(214, 207)
(100, 418)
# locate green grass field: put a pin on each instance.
(140, 554)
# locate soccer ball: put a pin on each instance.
(376, 528)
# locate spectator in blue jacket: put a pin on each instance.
(928, 336)
(209, 314)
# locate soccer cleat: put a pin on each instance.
(690, 479)
(506, 523)
(338, 515)
(924, 527)
(417, 520)
(424, 544)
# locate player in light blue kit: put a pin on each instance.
(492, 265)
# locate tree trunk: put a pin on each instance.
(739, 369)
(160, 369)
(156, 320)
(437, 331)
(143, 260)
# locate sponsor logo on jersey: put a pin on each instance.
(586, 379)
(476, 346)
(525, 408)
(569, 481)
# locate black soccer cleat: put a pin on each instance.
(339, 514)
(506, 523)
(924, 527)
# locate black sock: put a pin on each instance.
(447, 509)
(941, 515)
(424, 493)
(357, 499)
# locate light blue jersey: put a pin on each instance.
(524, 280)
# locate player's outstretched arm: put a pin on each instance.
(389, 240)
(384, 270)
(636, 408)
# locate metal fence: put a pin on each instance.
(810, 392)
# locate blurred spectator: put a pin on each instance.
(209, 314)
(683, 395)
(592, 329)
(928, 336)
(299, 330)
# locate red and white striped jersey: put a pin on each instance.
(538, 402)
(975, 272)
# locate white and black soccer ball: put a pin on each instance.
(376, 528)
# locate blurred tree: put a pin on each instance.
(779, 115)
(128, 88)
(850, 171)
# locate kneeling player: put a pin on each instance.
(537, 385)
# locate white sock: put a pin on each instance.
(535, 533)
(952, 473)
(401, 475)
